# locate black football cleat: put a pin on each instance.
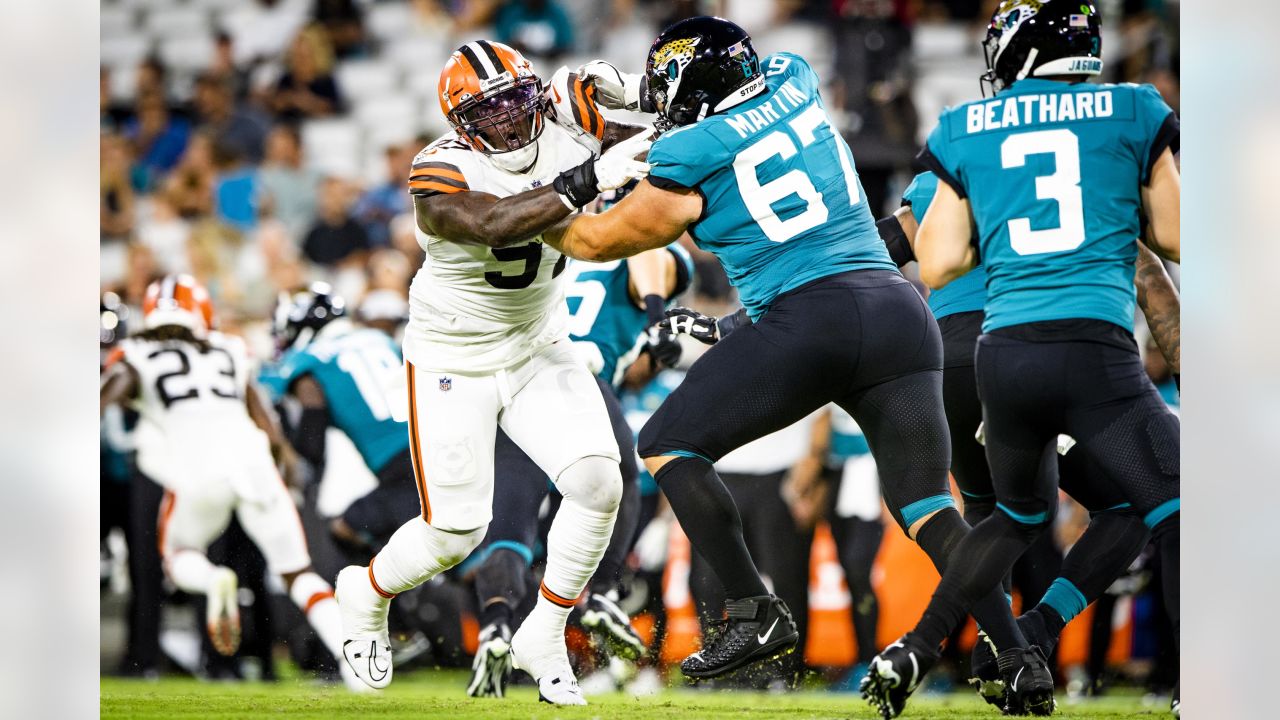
(754, 628)
(1028, 682)
(985, 672)
(896, 673)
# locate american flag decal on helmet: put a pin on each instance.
(1078, 20)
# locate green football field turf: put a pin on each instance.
(424, 695)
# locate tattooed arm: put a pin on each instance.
(1159, 301)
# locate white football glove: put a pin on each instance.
(615, 89)
(619, 166)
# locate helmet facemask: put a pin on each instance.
(504, 123)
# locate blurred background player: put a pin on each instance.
(1060, 300)
(614, 310)
(341, 374)
(483, 351)
(206, 435)
(750, 139)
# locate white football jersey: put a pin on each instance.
(191, 404)
(475, 309)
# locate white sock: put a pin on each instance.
(315, 597)
(418, 552)
(190, 570)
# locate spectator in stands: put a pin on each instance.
(233, 126)
(344, 22)
(287, 188)
(225, 68)
(115, 200)
(166, 234)
(336, 238)
(158, 140)
(190, 187)
(540, 28)
(384, 201)
(235, 189)
(307, 88)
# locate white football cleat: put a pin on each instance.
(538, 648)
(604, 618)
(492, 665)
(222, 611)
(366, 647)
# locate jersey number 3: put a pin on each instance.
(1063, 186)
(760, 197)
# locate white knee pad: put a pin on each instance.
(452, 548)
(593, 482)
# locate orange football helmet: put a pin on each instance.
(178, 300)
(491, 97)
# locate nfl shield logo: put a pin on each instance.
(446, 383)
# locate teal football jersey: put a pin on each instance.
(783, 204)
(1053, 173)
(602, 313)
(967, 293)
(351, 367)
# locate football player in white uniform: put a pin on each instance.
(208, 438)
(487, 346)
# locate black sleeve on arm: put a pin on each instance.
(1168, 136)
(931, 163)
(666, 183)
(729, 323)
(895, 239)
(308, 436)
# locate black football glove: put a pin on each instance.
(683, 321)
(663, 346)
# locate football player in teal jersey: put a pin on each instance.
(1116, 533)
(337, 371)
(1054, 176)
(614, 310)
(753, 169)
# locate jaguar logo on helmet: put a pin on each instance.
(699, 67)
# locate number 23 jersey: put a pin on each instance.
(191, 403)
(1053, 173)
(478, 310)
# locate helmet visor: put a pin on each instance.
(504, 121)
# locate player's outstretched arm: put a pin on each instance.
(647, 218)
(1159, 301)
(265, 418)
(1162, 201)
(942, 244)
(483, 219)
(313, 422)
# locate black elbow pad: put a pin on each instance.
(895, 239)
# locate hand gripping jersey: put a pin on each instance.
(1053, 174)
(783, 202)
(475, 309)
(967, 293)
(603, 318)
(193, 422)
(355, 368)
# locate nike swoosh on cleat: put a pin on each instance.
(381, 672)
(1015, 678)
(762, 639)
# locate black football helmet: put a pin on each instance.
(300, 316)
(699, 67)
(1039, 38)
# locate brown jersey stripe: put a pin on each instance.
(439, 174)
(589, 92)
(432, 187)
(576, 104)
